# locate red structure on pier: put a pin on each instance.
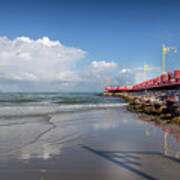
(171, 80)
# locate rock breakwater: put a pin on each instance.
(160, 105)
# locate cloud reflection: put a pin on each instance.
(43, 151)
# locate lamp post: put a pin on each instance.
(145, 68)
(163, 58)
(137, 77)
(164, 51)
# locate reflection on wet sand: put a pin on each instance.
(36, 138)
(109, 142)
(168, 149)
(41, 151)
(105, 125)
(123, 159)
(147, 130)
(131, 160)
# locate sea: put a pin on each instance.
(22, 104)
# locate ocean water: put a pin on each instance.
(21, 104)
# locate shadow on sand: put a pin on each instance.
(128, 159)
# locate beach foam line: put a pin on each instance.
(11, 111)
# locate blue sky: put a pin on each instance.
(126, 32)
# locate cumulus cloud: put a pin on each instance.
(47, 65)
(131, 76)
(100, 68)
(93, 77)
(36, 60)
(41, 60)
(103, 65)
(44, 64)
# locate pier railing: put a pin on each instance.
(169, 80)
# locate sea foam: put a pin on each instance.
(11, 111)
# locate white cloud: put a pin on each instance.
(31, 60)
(101, 67)
(45, 41)
(131, 76)
(93, 77)
(44, 64)
(124, 70)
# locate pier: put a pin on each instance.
(165, 81)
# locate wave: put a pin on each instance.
(17, 100)
(18, 111)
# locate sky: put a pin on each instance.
(82, 45)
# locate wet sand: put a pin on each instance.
(103, 144)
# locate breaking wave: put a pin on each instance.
(16, 111)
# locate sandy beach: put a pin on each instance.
(97, 144)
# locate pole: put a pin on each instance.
(145, 68)
(163, 59)
(165, 143)
(137, 77)
(144, 74)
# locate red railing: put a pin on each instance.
(171, 79)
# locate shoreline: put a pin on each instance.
(162, 107)
(30, 111)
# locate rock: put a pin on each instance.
(172, 100)
(165, 116)
(176, 120)
(177, 111)
(162, 109)
(164, 104)
(137, 101)
(151, 110)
